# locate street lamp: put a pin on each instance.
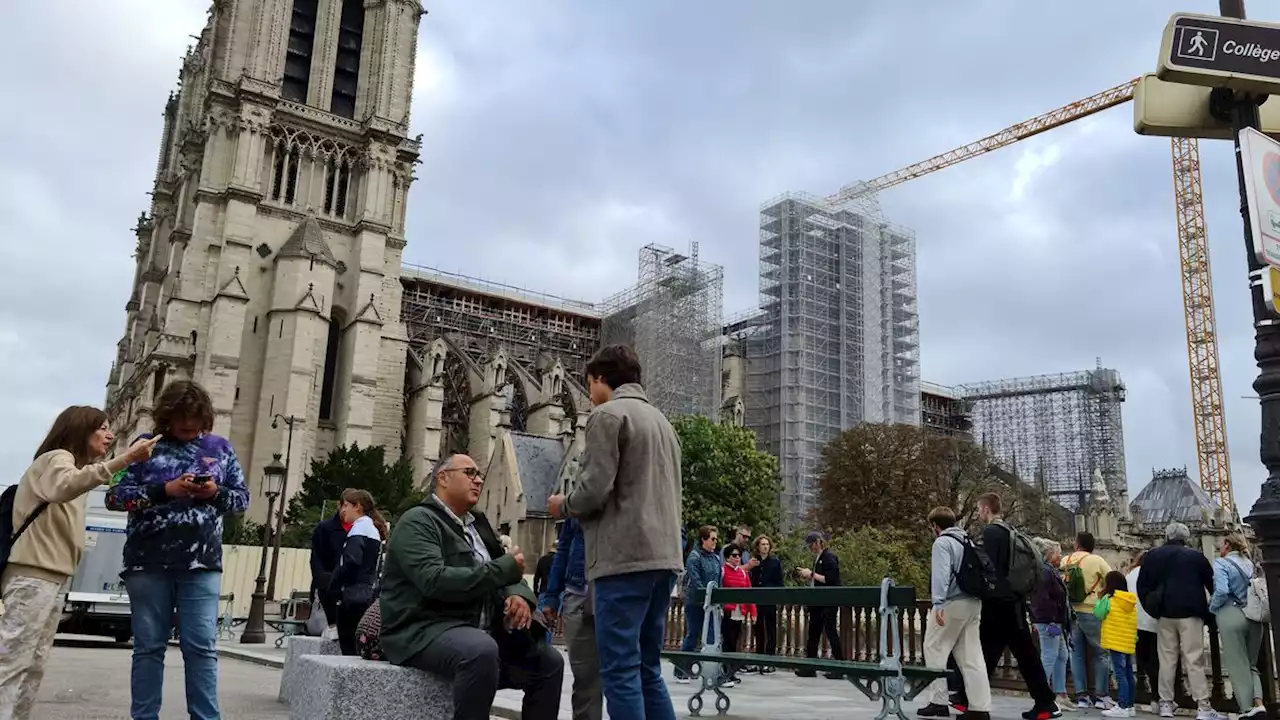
(272, 482)
(284, 484)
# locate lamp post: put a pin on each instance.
(284, 485)
(254, 631)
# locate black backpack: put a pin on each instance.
(977, 574)
(8, 537)
(1026, 566)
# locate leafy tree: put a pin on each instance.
(867, 555)
(348, 467)
(727, 480)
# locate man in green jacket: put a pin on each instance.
(455, 604)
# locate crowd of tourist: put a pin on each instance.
(444, 592)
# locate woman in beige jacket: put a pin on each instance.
(33, 587)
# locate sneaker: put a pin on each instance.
(682, 679)
(976, 715)
(768, 670)
(1066, 706)
(1104, 702)
(1118, 712)
(1084, 703)
(806, 673)
(1154, 708)
(959, 708)
(1208, 713)
(934, 710)
(1254, 712)
(1166, 709)
(1042, 712)
(728, 682)
(834, 675)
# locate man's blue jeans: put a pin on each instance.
(1087, 631)
(153, 599)
(631, 622)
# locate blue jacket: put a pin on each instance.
(702, 567)
(569, 569)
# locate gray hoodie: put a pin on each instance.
(948, 551)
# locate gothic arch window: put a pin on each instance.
(297, 57)
(311, 173)
(329, 403)
(566, 401)
(517, 402)
(346, 69)
(456, 413)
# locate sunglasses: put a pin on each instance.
(470, 472)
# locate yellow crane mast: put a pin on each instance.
(1209, 419)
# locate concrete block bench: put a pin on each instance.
(350, 688)
(300, 646)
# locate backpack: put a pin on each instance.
(1073, 576)
(1025, 563)
(8, 537)
(977, 575)
(1255, 606)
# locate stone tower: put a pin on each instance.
(268, 265)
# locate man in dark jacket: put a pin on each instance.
(825, 573)
(1172, 588)
(1004, 620)
(454, 602)
(326, 550)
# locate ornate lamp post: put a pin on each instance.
(288, 458)
(254, 630)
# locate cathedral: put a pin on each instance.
(269, 270)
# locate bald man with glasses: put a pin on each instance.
(455, 604)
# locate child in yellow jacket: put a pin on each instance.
(1118, 611)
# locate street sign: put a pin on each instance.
(1271, 289)
(1221, 52)
(1261, 157)
(1169, 109)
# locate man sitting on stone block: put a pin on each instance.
(455, 604)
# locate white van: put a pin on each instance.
(97, 603)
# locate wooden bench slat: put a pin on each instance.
(868, 597)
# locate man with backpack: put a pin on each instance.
(957, 577)
(1084, 574)
(1018, 567)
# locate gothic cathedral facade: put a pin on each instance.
(269, 263)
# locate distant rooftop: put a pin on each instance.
(501, 290)
(939, 390)
(1172, 496)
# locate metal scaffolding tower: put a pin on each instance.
(1056, 431)
(837, 342)
(673, 318)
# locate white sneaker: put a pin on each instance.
(1253, 712)
(1118, 712)
(682, 679)
(1154, 708)
(1104, 702)
(1166, 709)
(1066, 706)
(1208, 713)
(1084, 703)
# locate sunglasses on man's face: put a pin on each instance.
(470, 472)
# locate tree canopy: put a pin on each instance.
(727, 480)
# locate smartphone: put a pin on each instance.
(202, 479)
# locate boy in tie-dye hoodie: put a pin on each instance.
(173, 547)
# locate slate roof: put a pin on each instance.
(1170, 496)
(308, 241)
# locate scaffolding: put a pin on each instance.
(837, 342)
(481, 316)
(1056, 431)
(673, 319)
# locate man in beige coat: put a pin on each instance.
(628, 499)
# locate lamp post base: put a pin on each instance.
(254, 629)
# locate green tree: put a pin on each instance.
(348, 467)
(867, 555)
(727, 480)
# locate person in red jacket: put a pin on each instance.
(734, 576)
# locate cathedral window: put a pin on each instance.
(329, 380)
(297, 59)
(346, 70)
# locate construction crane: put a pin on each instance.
(1209, 419)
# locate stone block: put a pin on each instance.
(349, 688)
(297, 647)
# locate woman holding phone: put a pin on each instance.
(173, 547)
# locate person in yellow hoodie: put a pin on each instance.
(48, 513)
(1118, 611)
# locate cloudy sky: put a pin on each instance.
(574, 132)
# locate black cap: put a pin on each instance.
(812, 537)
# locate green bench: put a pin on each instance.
(887, 681)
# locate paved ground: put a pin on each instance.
(88, 679)
(781, 696)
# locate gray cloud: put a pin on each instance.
(561, 136)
